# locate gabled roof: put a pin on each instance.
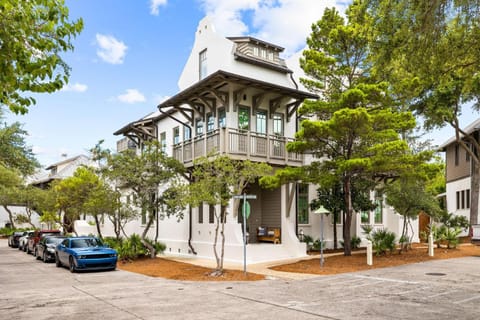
(71, 165)
(471, 128)
(221, 78)
(256, 41)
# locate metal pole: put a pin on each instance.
(321, 240)
(244, 209)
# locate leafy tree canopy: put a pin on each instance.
(33, 34)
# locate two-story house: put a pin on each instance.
(458, 173)
(238, 97)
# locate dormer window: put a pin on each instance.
(255, 51)
(202, 64)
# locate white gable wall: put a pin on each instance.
(220, 57)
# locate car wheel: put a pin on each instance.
(44, 257)
(71, 264)
(57, 261)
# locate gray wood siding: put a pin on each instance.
(271, 208)
(453, 171)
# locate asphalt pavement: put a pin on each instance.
(441, 289)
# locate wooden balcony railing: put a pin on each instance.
(240, 145)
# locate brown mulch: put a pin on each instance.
(333, 264)
(170, 269)
(358, 261)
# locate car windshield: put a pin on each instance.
(86, 243)
(54, 240)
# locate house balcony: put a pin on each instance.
(240, 145)
(125, 144)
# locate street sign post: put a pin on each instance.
(245, 214)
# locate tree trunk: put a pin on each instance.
(222, 233)
(97, 223)
(10, 216)
(474, 193)
(144, 235)
(347, 243)
(218, 270)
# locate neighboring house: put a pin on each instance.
(458, 173)
(56, 171)
(237, 96)
(59, 171)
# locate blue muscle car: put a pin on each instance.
(85, 253)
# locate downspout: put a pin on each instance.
(293, 80)
(190, 227)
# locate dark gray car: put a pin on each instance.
(46, 247)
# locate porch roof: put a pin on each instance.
(206, 92)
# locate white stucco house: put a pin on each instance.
(238, 96)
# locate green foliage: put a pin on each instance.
(308, 239)
(132, 248)
(33, 34)
(354, 242)
(383, 241)
(454, 221)
(15, 154)
(316, 245)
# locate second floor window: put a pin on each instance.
(222, 117)
(199, 127)
(163, 142)
(210, 122)
(278, 124)
(187, 133)
(202, 64)
(176, 135)
(261, 122)
(243, 118)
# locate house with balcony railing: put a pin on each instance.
(238, 97)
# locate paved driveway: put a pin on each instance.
(30, 289)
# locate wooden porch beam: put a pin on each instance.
(274, 105)
(257, 101)
(292, 107)
(237, 96)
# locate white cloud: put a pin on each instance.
(155, 4)
(282, 22)
(132, 96)
(159, 98)
(110, 49)
(76, 87)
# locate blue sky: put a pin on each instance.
(131, 53)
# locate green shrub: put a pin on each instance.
(132, 248)
(354, 242)
(316, 244)
(382, 241)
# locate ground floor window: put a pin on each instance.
(200, 213)
(378, 211)
(365, 217)
(211, 214)
(302, 203)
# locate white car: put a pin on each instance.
(22, 242)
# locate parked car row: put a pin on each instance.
(76, 253)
